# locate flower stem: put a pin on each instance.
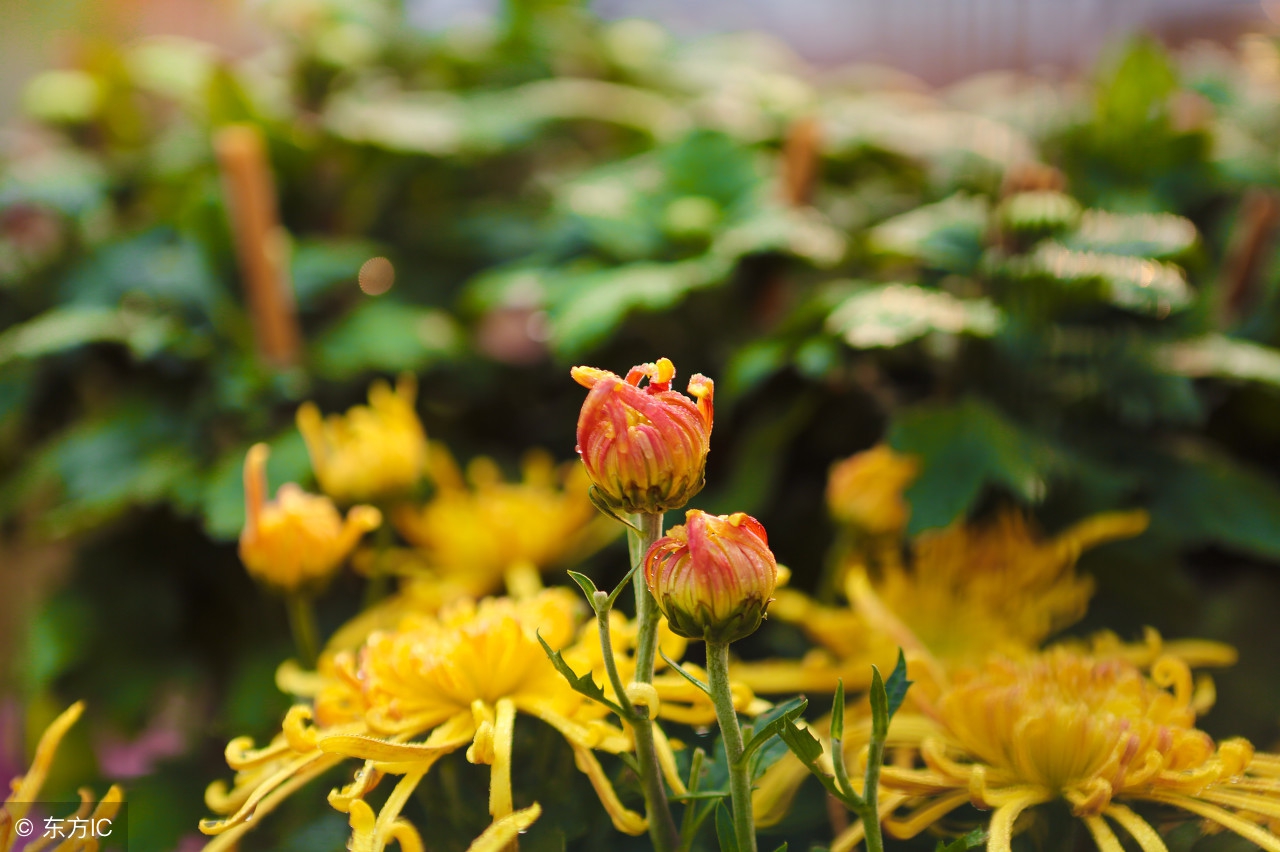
(731, 733)
(302, 623)
(662, 825)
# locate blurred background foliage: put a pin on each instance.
(1058, 295)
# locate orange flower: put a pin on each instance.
(865, 490)
(644, 448)
(298, 539)
(713, 578)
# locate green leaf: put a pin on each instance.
(1130, 283)
(782, 848)
(894, 314)
(69, 326)
(584, 583)
(382, 335)
(581, 684)
(771, 722)
(725, 830)
(317, 266)
(897, 685)
(965, 448)
(1139, 235)
(972, 840)
(1211, 499)
(879, 707)
(948, 234)
(1219, 356)
(837, 709)
(806, 747)
(680, 670)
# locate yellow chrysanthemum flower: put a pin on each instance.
(372, 453)
(435, 685)
(483, 529)
(865, 490)
(25, 789)
(1097, 733)
(970, 590)
(297, 540)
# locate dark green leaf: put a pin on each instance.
(897, 685)
(725, 830)
(582, 684)
(972, 840)
(385, 336)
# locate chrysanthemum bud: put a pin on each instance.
(372, 453)
(297, 540)
(645, 448)
(713, 578)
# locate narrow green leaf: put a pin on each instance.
(879, 707)
(724, 829)
(805, 746)
(897, 685)
(782, 848)
(582, 684)
(679, 669)
(837, 711)
(584, 583)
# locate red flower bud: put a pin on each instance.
(645, 448)
(713, 578)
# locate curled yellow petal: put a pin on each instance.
(500, 773)
(497, 836)
(626, 821)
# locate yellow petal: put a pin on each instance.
(500, 773)
(1224, 818)
(626, 821)
(1138, 828)
(27, 788)
(1006, 815)
(497, 836)
(1103, 835)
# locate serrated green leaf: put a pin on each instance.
(69, 326)
(948, 234)
(581, 684)
(1134, 284)
(1154, 235)
(1211, 499)
(893, 314)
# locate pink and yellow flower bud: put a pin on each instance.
(372, 453)
(296, 541)
(714, 577)
(866, 490)
(645, 448)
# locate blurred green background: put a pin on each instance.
(1061, 294)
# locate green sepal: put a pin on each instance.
(598, 501)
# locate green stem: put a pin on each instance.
(731, 733)
(611, 664)
(871, 797)
(662, 825)
(302, 623)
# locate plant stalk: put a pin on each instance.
(662, 825)
(302, 623)
(731, 733)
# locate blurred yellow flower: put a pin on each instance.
(476, 532)
(433, 686)
(25, 789)
(865, 491)
(297, 540)
(372, 453)
(1097, 733)
(970, 590)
